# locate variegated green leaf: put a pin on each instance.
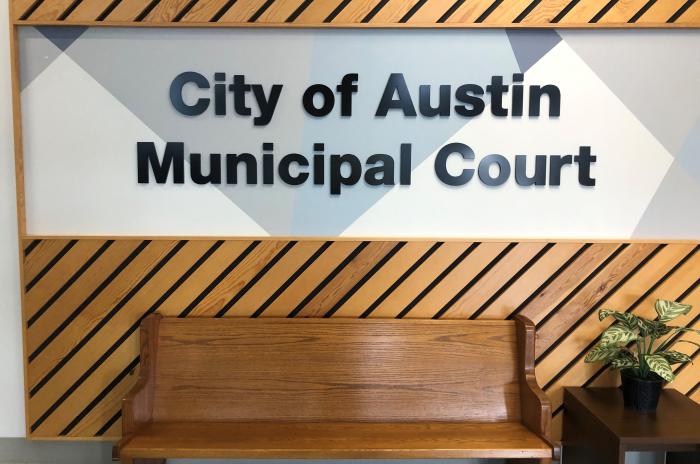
(654, 329)
(617, 334)
(660, 366)
(622, 363)
(674, 357)
(669, 310)
(602, 353)
(628, 319)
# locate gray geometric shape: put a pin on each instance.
(689, 156)
(36, 54)
(655, 73)
(673, 209)
(62, 36)
(529, 45)
(138, 65)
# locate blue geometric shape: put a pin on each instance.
(531, 45)
(62, 36)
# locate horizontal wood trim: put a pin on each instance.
(363, 13)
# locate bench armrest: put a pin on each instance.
(137, 406)
(535, 407)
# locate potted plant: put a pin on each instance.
(645, 366)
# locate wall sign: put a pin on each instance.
(466, 133)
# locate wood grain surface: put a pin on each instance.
(412, 13)
(82, 323)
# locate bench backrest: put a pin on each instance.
(234, 369)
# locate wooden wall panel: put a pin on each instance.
(88, 296)
(563, 13)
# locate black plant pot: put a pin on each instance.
(640, 394)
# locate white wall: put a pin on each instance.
(11, 377)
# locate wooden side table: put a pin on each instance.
(598, 429)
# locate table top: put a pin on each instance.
(676, 420)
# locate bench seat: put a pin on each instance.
(340, 440)
(335, 388)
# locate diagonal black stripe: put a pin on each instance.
(150, 310)
(374, 11)
(147, 10)
(109, 424)
(603, 11)
(476, 279)
(261, 10)
(592, 310)
(279, 255)
(33, 244)
(219, 14)
(112, 312)
(641, 12)
(100, 396)
(693, 389)
(184, 11)
(527, 11)
(565, 11)
(488, 11)
(680, 298)
(32, 8)
(680, 11)
(87, 300)
(222, 275)
(337, 11)
(512, 280)
(108, 10)
(450, 11)
(115, 345)
(549, 280)
(414, 9)
(328, 278)
(291, 279)
(445, 272)
(581, 285)
(364, 279)
(51, 264)
(295, 14)
(401, 279)
(69, 282)
(69, 10)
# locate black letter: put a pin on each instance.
(267, 106)
(238, 88)
(555, 164)
(497, 89)
(540, 176)
(385, 170)
(337, 178)
(176, 93)
(328, 100)
(584, 160)
(441, 164)
(463, 94)
(396, 83)
(285, 164)
(214, 176)
(346, 88)
(174, 155)
(251, 168)
(552, 91)
(443, 108)
(503, 170)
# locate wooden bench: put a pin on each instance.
(335, 388)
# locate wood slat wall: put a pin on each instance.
(561, 13)
(84, 300)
